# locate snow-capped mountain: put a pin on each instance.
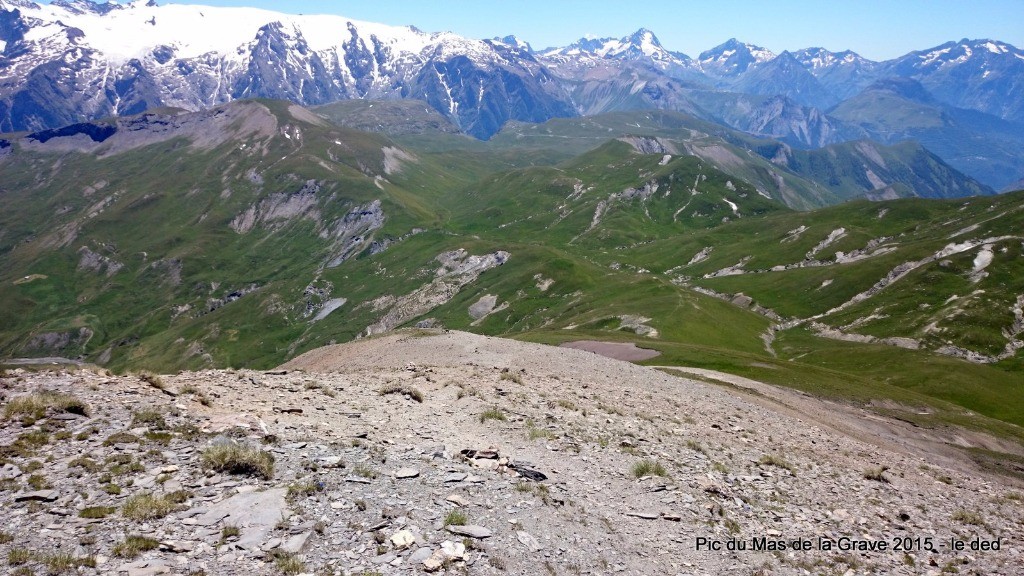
(784, 75)
(74, 59)
(733, 58)
(841, 73)
(982, 75)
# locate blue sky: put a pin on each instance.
(877, 29)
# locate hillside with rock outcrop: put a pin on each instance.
(446, 452)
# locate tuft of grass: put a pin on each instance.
(87, 464)
(134, 545)
(150, 418)
(153, 380)
(228, 532)
(695, 446)
(121, 438)
(511, 376)
(60, 563)
(649, 468)
(35, 405)
(396, 388)
(533, 432)
(6, 537)
(493, 413)
(39, 482)
(19, 556)
(567, 404)
(298, 490)
(235, 459)
(147, 506)
(161, 438)
(777, 461)
(112, 489)
(289, 564)
(456, 518)
(876, 474)
(968, 517)
(96, 512)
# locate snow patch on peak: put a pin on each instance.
(995, 48)
(134, 30)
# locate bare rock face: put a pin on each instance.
(458, 269)
(579, 462)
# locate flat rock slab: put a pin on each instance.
(527, 539)
(471, 531)
(407, 473)
(37, 496)
(644, 515)
(255, 513)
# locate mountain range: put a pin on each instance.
(74, 60)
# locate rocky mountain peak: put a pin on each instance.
(732, 58)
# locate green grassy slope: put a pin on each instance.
(188, 251)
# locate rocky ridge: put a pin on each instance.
(428, 451)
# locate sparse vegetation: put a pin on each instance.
(289, 564)
(147, 506)
(134, 545)
(876, 474)
(298, 490)
(649, 468)
(493, 413)
(777, 461)
(237, 459)
(510, 376)
(38, 482)
(152, 379)
(968, 517)
(364, 471)
(228, 532)
(31, 407)
(152, 419)
(96, 512)
(121, 438)
(695, 446)
(455, 517)
(399, 388)
(19, 556)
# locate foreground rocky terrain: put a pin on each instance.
(451, 452)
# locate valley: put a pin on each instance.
(250, 233)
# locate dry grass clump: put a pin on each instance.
(289, 564)
(153, 380)
(35, 405)
(150, 418)
(968, 517)
(193, 390)
(397, 388)
(96, 512)
(236, 459)
(493, 413)
(649, 468)
(876, 474)
(777, 461)
(134, 545)
(147, 507)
